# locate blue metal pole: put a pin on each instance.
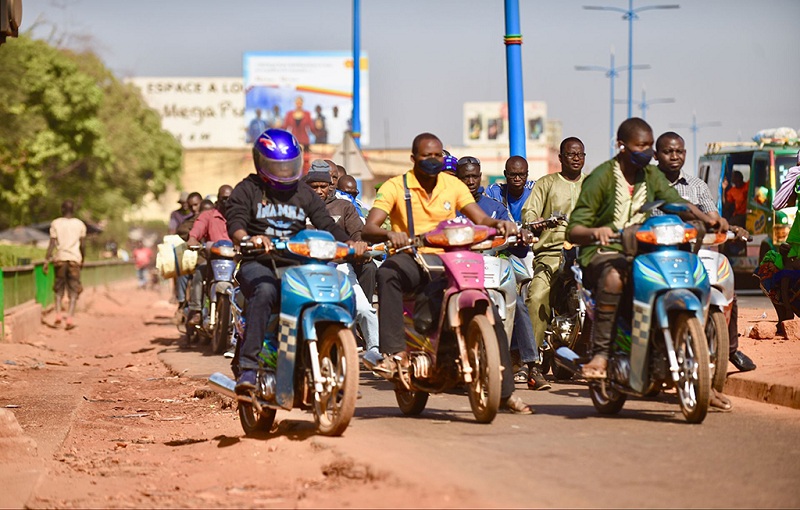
(612, 71)
(630, 58)
(357, 72)
(516, 113)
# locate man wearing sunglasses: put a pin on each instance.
(517, 188)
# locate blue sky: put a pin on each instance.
(731, 61)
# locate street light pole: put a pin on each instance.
(630, 14)
(356, 128)
(611, 72)
(694, 127)
(645, 104)
(516, 113)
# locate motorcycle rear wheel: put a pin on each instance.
(255, 423)
(411, 403)
(222, 326)
(610, 403)
(718, 347)
(694, 378)
(484, 359)
(338, 361)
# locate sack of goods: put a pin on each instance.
(174, 258)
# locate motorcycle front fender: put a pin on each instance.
(289, 339)
(718, 298)
(219, 288)
(470, 298)
(677, 300)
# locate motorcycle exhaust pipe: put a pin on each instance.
(568, 359)
(223, 385)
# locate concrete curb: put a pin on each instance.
(22, 322)
(761, 391)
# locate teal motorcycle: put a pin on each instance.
(309, 357)
(661, 340)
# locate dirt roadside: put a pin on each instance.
(102, 423)
(92, 418)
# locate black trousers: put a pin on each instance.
(367, 275)
(261, 287)
(402, 274)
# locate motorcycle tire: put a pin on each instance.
(338, 362)
(411, 403)
(610, 403)
(223, 325)
(694, 377)
(718, 347)
(255, 423)
(484, 359)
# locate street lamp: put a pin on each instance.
(630, 14)
(694, 127)
(611, 72)
(645, 104)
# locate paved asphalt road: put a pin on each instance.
(567, 455)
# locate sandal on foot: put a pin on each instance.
(515, 405)
(595, 369)
(520, 376)
(720, 402)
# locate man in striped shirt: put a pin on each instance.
(671, 156)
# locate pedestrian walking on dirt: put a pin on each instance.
(67, 235)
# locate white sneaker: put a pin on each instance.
(230, 353)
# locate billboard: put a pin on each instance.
(486, 123)
(202, 113)
(307, 93)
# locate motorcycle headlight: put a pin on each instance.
(224, 251)
(666, 234)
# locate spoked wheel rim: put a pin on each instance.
(484, 359)
(335, 404)
(694, 384)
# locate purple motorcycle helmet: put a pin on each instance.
(278, 158)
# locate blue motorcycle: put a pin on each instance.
(309, 358)
(661, 340)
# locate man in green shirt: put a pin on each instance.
(610, 200)
(552, 194)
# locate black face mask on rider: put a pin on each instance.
(431, 166)
(640, 159)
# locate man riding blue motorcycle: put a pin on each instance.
(610, 200)
(271, 203)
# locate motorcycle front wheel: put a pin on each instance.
(338, 361)
(253, 422)
(222, 326)
(484, 359)
(718, 347)
(610, 403)
(694, 379)
(411, 403)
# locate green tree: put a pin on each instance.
(70, 129)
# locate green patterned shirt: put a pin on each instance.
(607, 200)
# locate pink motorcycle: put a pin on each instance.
(449, 326)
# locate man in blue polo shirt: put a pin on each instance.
(469, 172)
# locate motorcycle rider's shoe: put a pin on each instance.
(246, 382)
(520, 375)
(515, 405)
(742, 362)
(372, 357)
(596, 368)
(194, 318)
(536, 380)
(395, 366)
